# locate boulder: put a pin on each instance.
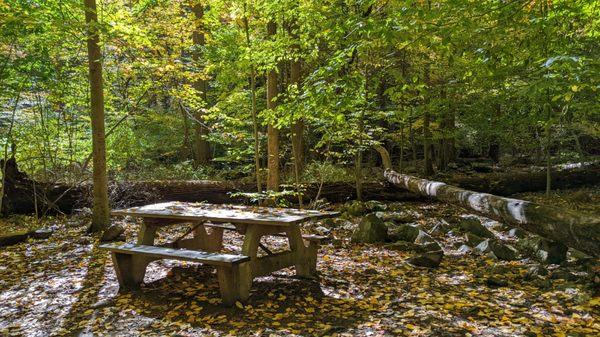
(473, 239)
(112, 233)
(473, 225)
(427, 260)
(500, 250)
(371, 229)
(551, 252)
(544, 250)
(404, 232)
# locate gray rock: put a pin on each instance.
(427, 260)
(536, 271)
(423, 238)
(322, 230)
(504, 252)
(404, 232)
(473, 239)
(501, 251)
(516, 233)
(396, 217)
(113, 232)
(464, 249)
(474, 226)
(431, 247)
(551, 252)
(371, 229)
(441, 227)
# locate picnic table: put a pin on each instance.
(235, 272)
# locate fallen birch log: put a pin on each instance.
(573, 229)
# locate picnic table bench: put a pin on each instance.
(235, 272)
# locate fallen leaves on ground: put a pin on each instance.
(66, 286)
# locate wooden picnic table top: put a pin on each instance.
(224, 213)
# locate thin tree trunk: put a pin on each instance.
(272, 131)
(254, 112)
(201, 145)
(427, 160)
(298, 126)
(427, 163)
(8, 140)
(401, 166)
(411, 136)
(187, 147)
(100, 208)
(548, 160)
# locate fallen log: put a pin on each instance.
(26, 196)
(508, 183)
(573, 229)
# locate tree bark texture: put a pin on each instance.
(100, 208)
(201, 145)
(272, 131)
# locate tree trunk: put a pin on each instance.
(100, 209)
(201, 145)
(427, 160)
(298, 126)
(254, 112)
(272, 131)
(574, 229)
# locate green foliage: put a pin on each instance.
(488, 73)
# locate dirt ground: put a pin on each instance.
(65, 286)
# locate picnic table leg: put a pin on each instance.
(131, 269)
(228, 281)
(304, 260)
(250, 249)
(211, 242)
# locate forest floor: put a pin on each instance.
(65, 286)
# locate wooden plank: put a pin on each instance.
(307, 237)
(224, 213)
(224, 226)
(314, 237)
(268, 264)
(176, 254)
